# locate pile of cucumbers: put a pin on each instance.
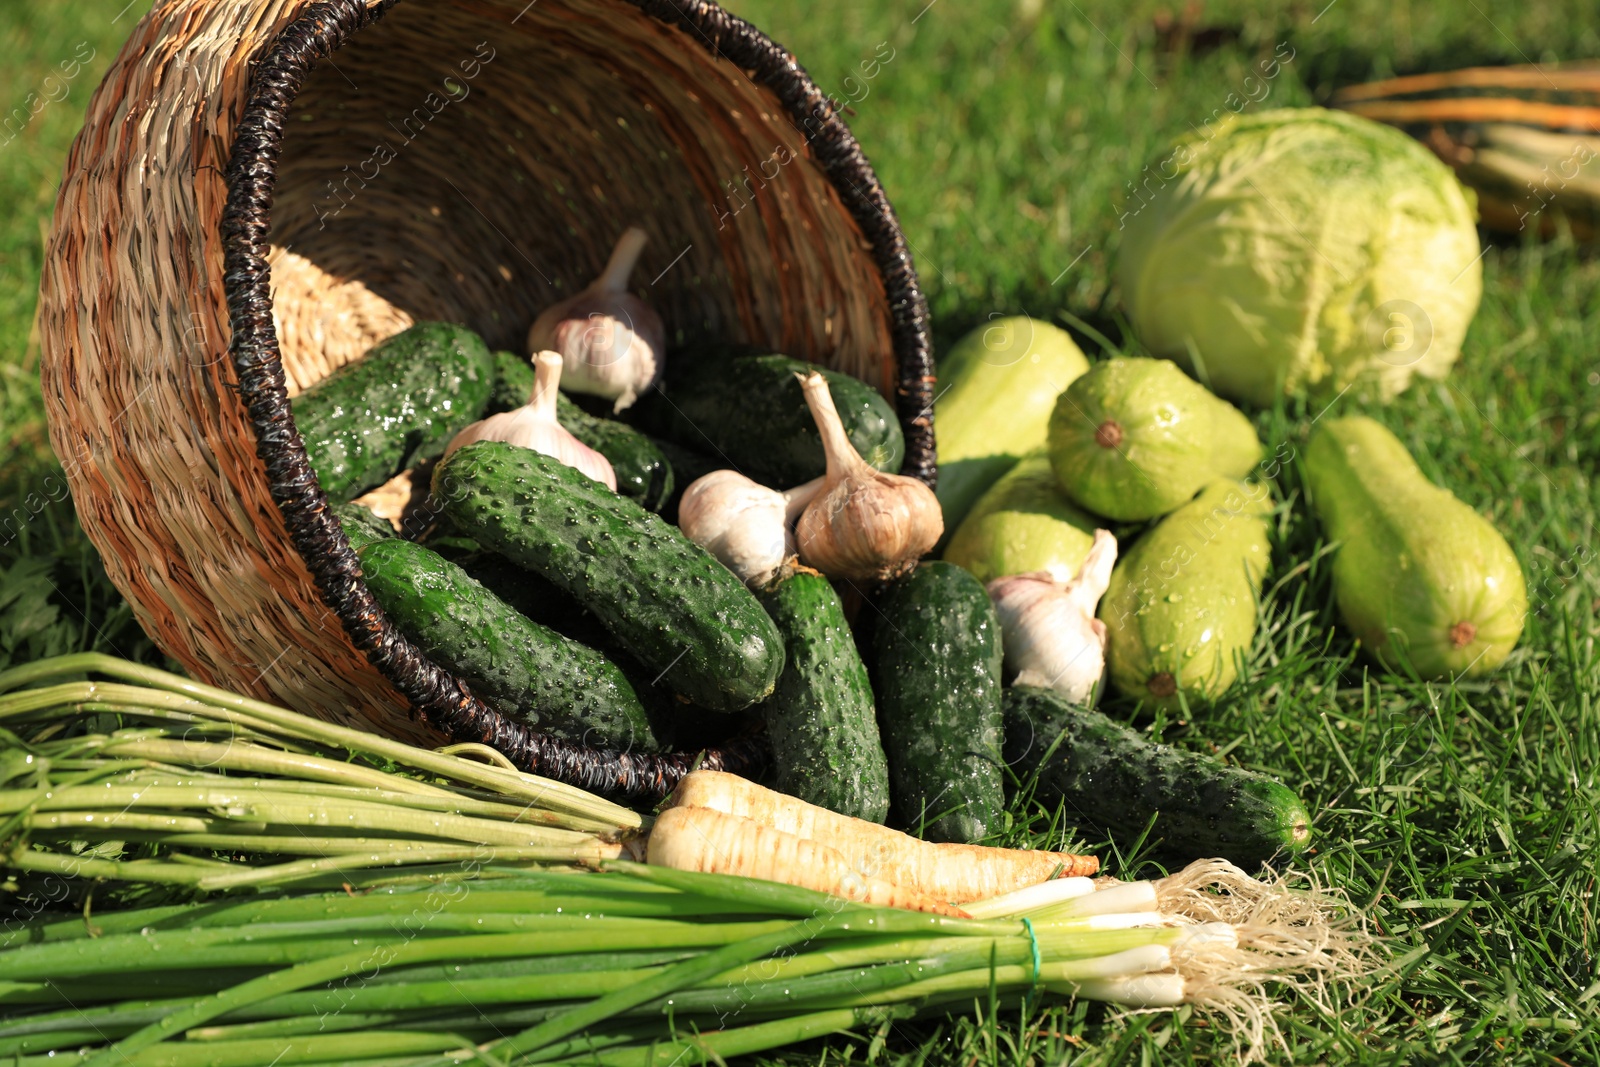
(588, 615)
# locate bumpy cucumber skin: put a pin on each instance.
(400, 403)
(1103, 773)
(642, 470)
(1413, 561)
(820, 720)
(525, 671)
(1175, 437)
(997, 387)
(1023, 523)
(749, 410)
(513, 382)
(664, 598)
(1182, 601)
(936, 672)
(361, 526)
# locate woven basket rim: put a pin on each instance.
(440, 698)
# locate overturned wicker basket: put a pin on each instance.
(243, 213)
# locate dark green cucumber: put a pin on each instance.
(525, 671)
(361, 526)
(674, 723)
(401, 402)
(513, 382)
(936, 672)
(666, 600)
(748, 411)
(642, 471)
(1104, 773)
(820, 721)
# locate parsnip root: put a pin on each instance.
(701, 839)
(952, 873)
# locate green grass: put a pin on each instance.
(1464, 817)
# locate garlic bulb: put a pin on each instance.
(534, 426)
(865, 524)
(612, 341)
(744, 524)
(1048, 629)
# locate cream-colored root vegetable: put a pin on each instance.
(703, 839)
(952, 873)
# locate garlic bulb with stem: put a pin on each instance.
(612, 341)
(747, 526)
(534, 426)
(865, 524)
(1048, 629)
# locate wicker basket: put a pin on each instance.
(243, 212)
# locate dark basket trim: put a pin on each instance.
(252, 172)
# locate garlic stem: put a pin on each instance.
(619, 268)
(547, 368)
(842, 458)
(796, 499)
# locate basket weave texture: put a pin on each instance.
(247, 209)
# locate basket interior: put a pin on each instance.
(475, 161)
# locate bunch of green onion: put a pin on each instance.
(153, 777)
(480, 915)
(630, 967)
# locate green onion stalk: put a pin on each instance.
(150, 777)
(633, 965)
(483, 915)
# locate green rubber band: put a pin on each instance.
(1038, 962)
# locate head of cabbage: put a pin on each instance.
(1302, 249)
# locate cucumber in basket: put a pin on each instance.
(936, 673)
(526, 671)
(401, 402)
(665, 599)
(820, 720)
(361, 526)
(748, 412)
(1115, 778)
(642, 470)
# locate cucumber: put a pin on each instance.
(749, 412)
(513, 382)
(936, 672)
(681, 726)
(820, 721)
(663, 597)
(525, 671)
(642, 470)
(1103, 772)
(361, 526)
(401, 402)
